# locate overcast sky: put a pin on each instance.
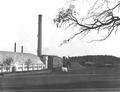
(19, 23)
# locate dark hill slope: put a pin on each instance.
(99, 59)
(96, 60)
(95, 64)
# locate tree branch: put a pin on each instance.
(103, 20)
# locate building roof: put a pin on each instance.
(19, 57)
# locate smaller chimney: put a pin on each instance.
(21, 49)
(14, 47)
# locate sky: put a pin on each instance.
(19, 23)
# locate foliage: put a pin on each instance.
(100, 17)
(66, 62)
(28, 62)
(8, 61)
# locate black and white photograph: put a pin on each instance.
(59, 46)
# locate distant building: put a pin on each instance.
(20, 58)
(52, 61)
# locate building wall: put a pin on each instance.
(57, 62)
(52, 61)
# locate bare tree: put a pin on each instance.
(98, 18)
(7, 62)
(28, 63)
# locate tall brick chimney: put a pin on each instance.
(39, 47)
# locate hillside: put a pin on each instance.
(95, 60)
(94, 64)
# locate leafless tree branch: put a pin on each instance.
(104, 20)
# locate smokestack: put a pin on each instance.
(39, 49)
(14, 47)
(21, 49)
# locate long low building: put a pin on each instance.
(20, 58)
(17, 60)
(28, 61)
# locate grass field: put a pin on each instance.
(59, 82)
(66, 90)
(83, 80)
